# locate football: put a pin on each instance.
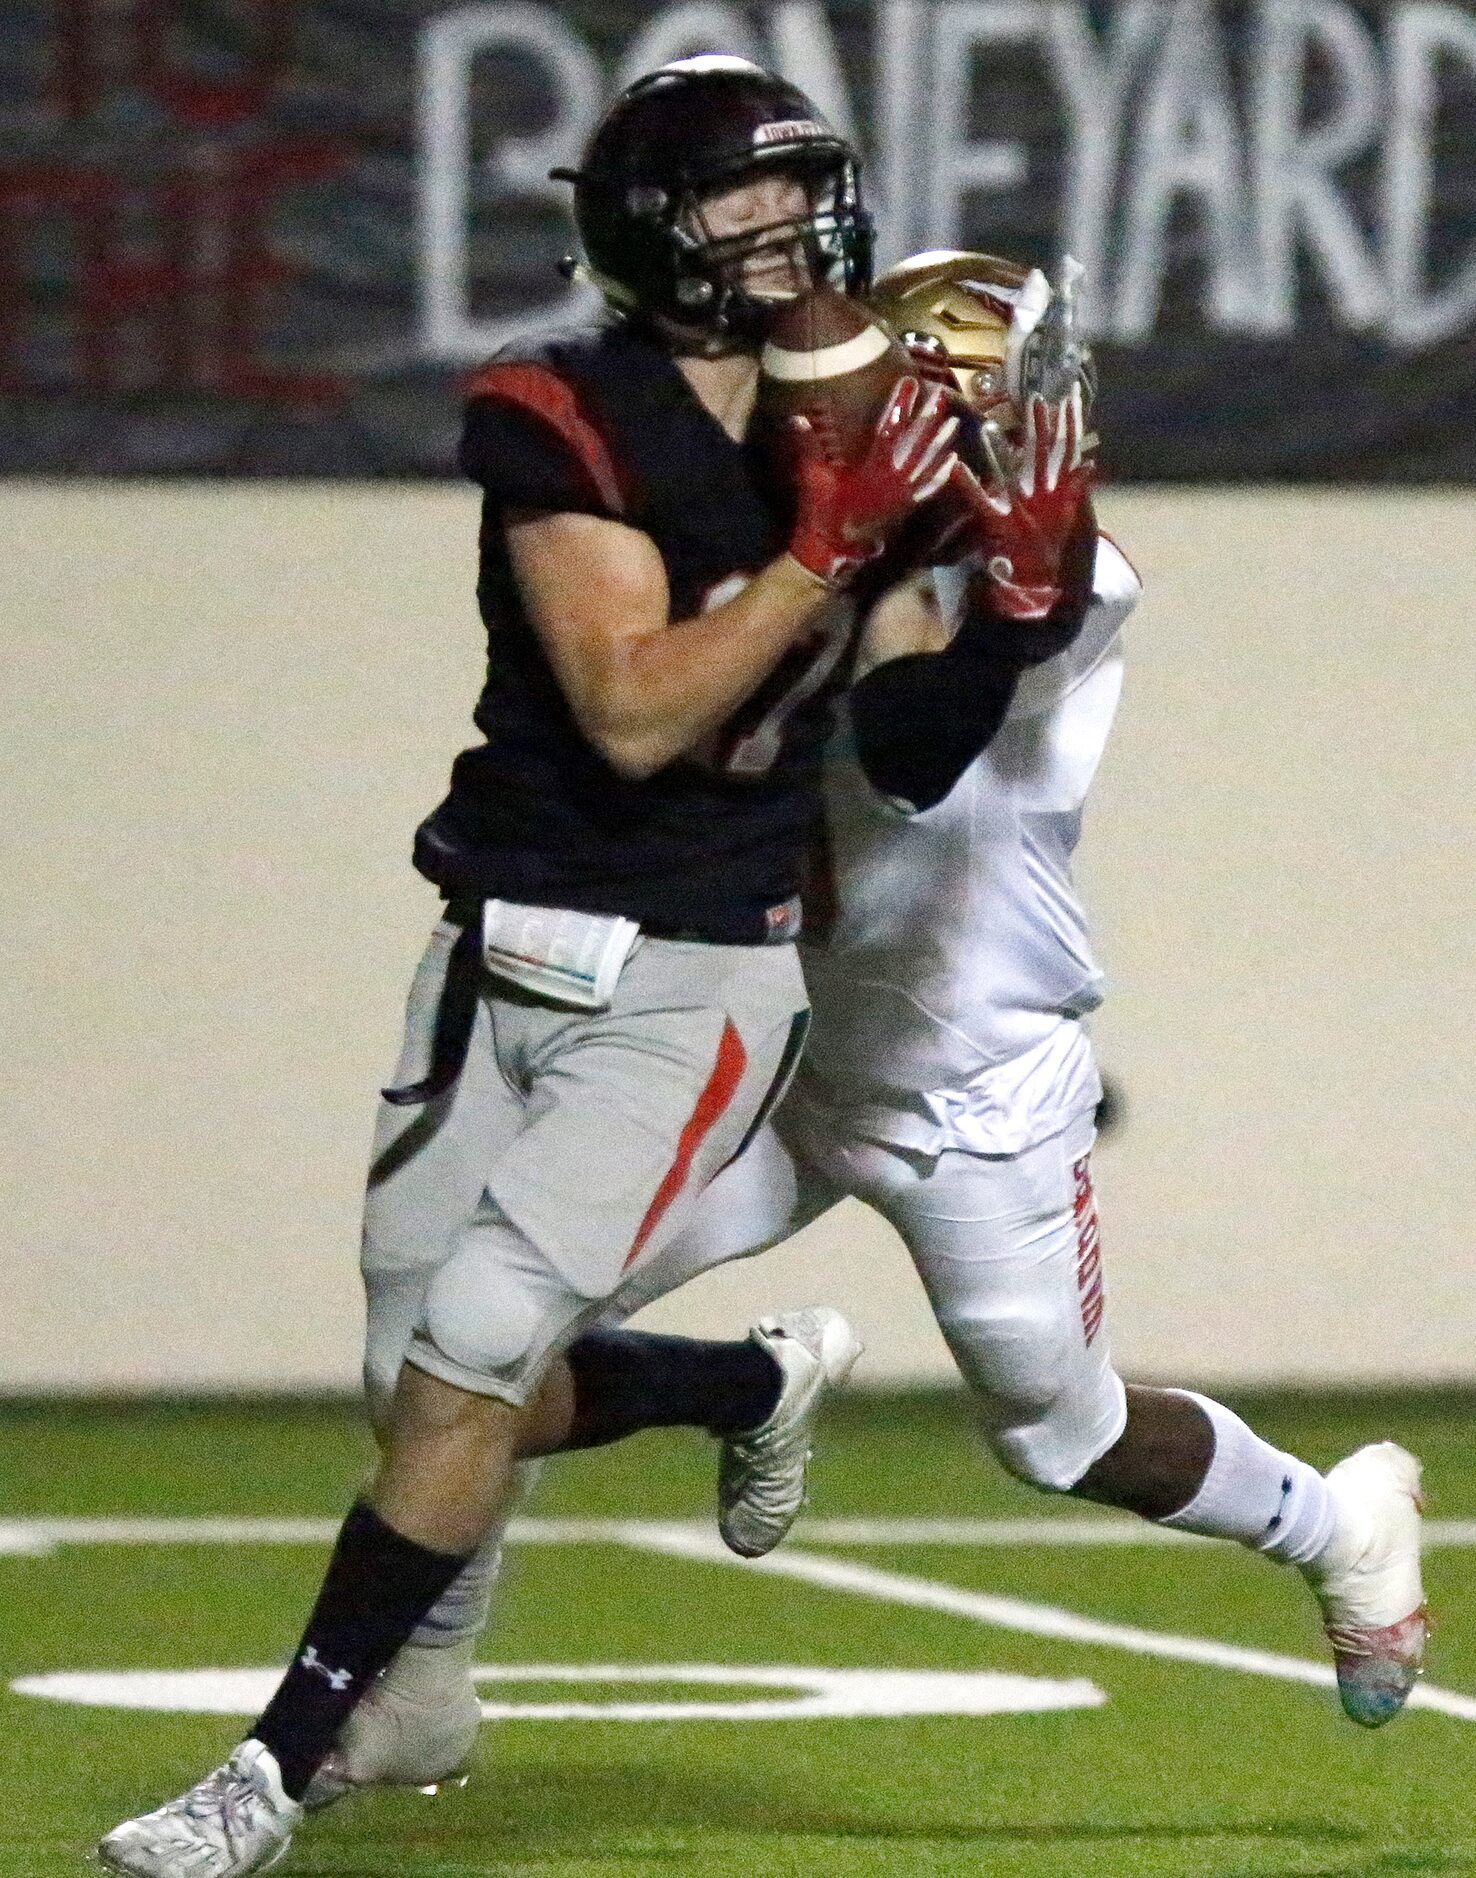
(829, 361)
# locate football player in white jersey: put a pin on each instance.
(949, 1081)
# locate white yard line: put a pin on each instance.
(1002, 1613)
(26, 1537)
(21, 1539)
(796, 1694)
(1109, 1530)
(46, 1534)
(695, 1540)
(1061, 1530)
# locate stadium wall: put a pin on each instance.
(227, 706)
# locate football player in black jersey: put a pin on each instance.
(612, 1001)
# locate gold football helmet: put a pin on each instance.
(957, 315)
(952, 312)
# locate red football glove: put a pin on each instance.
(1024, 522)
(847, 512)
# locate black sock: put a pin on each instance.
(377, 1588)
(626, 1380)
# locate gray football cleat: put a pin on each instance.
(1368, 1582)
(236, 1820)
(415, 1728)
(761, 1474)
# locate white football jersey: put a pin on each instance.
(949, 986)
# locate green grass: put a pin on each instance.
(1186, 1772)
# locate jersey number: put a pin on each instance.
(752, 747)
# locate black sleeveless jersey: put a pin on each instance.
(600, 421)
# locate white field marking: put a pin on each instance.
(1035, 1620)
(1114, 1529)
(695, 1540)
(809, 1694)
(36, 1537)
(46, 1535)
(19, 1539)
(1109, 1531)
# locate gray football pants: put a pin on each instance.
(510, 1213)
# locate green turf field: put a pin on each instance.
(1167, 1764)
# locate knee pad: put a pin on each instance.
(1052, 1405)
(480, 1323)
(1016, 1356)
(393, 1301)
(493, 1311)
(1052, 1453)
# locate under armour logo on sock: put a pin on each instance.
(338, 1679)
(1276, 1518)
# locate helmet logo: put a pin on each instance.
(788, 130)
(1000, 300)
(961, 323)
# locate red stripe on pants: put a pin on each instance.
(727, 1073)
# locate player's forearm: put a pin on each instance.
(919, 721)
(664, 692)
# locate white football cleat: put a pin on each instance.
(236, 1820)
(761, 1474)
(415, 1728)
(1368, 1582)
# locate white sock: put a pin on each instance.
(1268, 1500)
(461, 1612)
(431, 1674)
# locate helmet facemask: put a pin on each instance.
(732, 283)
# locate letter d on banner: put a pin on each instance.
(1424, 35)
(450, 45)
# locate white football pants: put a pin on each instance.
(1007, 1247)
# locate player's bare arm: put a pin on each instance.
(643, 687)
(906, 619)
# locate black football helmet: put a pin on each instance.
(677, 136)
